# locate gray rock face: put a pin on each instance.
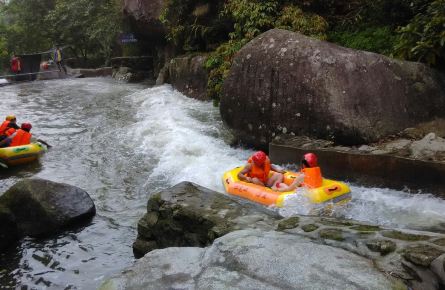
(284, 82)
(42, 207)
(188, 75)
(146, 15)
(190, 215)
(251, 259)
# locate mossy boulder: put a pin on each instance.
(288, 223)
(422, 255)
(332, 234)
(309, 227)
(188, 215)
(382, 246)
(42, 207)
(393, 234)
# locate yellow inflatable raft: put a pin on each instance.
(16, 155)
(330, 191)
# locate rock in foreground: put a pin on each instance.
(41, 207)
(251, 259)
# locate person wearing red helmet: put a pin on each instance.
(8, 126)
(310, 175)
(20, 137)
(258, 169)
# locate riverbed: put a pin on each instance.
(122, 142)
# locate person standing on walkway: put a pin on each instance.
(58, 58)
(16, 64)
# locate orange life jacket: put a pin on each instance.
(4, 127)
(260, 172)
(9, 132)
(21, 138)
(312, 177)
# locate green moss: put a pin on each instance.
(365, 228)
(332, 222)
(332, 234)
(382, 246)
(310, 227)
(421, 255)
(288, 223)
(440, 242)
(404, 236)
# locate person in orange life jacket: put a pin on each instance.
(310, 175)
(257, 171)
(8, 127)
(19, 138)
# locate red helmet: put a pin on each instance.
(259, 157)
(26, 126)
(310, 160)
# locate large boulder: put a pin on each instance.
(285, 82)
(190, 215)
(252, 259)
(41, 207)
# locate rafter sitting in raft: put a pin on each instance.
(258, 169)
(310, 175)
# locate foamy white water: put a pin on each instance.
(185, 140)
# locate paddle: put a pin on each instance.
(43, 142)
(3, 165)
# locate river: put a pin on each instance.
(122, 142)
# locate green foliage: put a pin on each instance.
(423, 39)
(376, 39)
(294, 19)
(191, 26)
(88, 28)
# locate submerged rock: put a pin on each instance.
(41, 207)
(251, 259)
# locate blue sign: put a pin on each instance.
(127, 38)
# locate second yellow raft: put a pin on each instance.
(16, 155)
(331, 191)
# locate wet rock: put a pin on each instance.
(397, 144)
(242, 260)
(439, 242)
(8, 228)
(190, 215)
(188, 75)
(331, 234)
(438, 267)
(382, 246)
(365, 228)
(393, 234)
(41, 207)
(428, 147)
(288, 223)
(309, 227)
(422, 255)
(359, 98)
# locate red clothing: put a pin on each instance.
(4, 127)
(21, 138)
(16, 65)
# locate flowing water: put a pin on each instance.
(121, 142)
